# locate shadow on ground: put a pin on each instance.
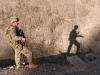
(54, 59)
(6, 63)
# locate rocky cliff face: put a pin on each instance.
(47, 25)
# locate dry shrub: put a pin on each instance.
(47, 24)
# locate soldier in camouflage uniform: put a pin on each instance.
(19, 48)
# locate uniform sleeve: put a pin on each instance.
(14, 35)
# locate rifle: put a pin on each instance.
(21, 33)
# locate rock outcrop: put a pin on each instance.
(47, 24)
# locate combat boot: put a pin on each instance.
(33, 66)
(30, 61)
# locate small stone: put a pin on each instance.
(54, 68)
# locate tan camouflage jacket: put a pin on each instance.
(13, 34)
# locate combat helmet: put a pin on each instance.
(14, 19)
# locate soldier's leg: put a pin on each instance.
(18, 50)
(28, 54)
(17, 59)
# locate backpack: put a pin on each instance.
(8, 37)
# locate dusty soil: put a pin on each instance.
(55, 65)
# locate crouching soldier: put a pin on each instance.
(18, 46)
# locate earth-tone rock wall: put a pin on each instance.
(47, 24)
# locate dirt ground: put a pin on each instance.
(55, 65)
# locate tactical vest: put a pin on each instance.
(17, 46)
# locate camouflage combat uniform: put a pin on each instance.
(19, 48)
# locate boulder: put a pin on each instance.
(74, 60)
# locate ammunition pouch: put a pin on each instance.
(17, 46)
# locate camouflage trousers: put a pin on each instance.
(22, 50)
